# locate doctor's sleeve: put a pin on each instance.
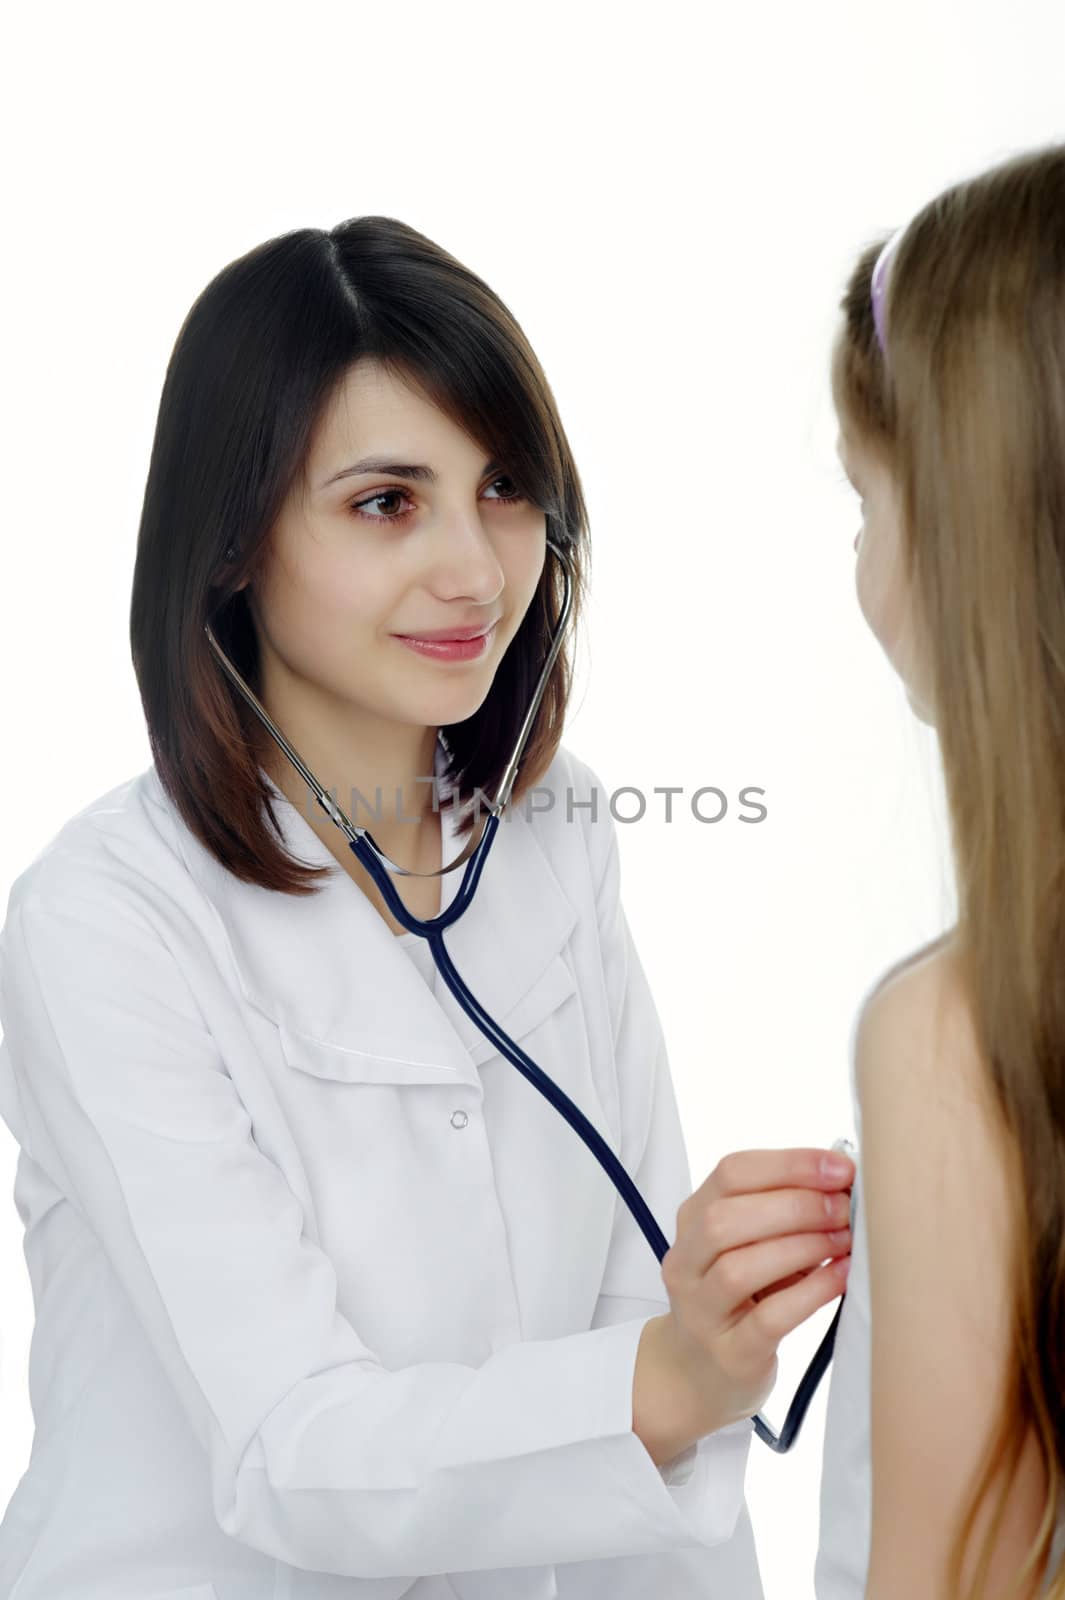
(708, 1477)
(317, 1454)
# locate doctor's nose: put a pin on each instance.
(464, 564)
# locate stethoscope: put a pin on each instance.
(378, 865)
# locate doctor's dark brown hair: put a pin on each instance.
(969, 417)
(256, 361)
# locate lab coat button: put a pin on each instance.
(459, 1119)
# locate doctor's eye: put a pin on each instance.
(356, 506)
(513, 497)
(381, 495)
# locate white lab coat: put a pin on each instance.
(330, 1301)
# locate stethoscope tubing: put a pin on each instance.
(432, 930)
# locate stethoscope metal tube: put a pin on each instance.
(475, 854)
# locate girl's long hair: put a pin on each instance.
(968, 413)
(259, 356)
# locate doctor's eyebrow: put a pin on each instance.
(418, 473)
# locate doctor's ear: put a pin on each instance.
(223, 576)
(558, 545)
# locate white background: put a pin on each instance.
(669, 199)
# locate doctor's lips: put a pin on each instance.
(451, 644)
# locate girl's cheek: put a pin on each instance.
(880, 592)
(865, 583)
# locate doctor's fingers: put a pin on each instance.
(756, 1171)
(754, 1273)
(749, 1342)
(778, 1312)
(797, 1277)
(728, 1222)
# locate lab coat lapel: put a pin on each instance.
(328, 970)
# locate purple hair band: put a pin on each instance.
(881, 274)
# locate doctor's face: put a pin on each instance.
(425, 537)
(879, 577)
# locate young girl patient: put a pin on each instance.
(945, 1433)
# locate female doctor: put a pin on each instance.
(330, 1301)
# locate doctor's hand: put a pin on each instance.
(745, 1269)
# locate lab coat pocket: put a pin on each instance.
(323, 1058)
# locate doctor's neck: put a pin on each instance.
(379, 772)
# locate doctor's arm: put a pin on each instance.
(652, 1151)
(317, 1453)
(934, 1186)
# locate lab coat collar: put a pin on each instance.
(347, 998)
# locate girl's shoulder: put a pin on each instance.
(943, 1243)
(917, 1053)
(934, 963)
